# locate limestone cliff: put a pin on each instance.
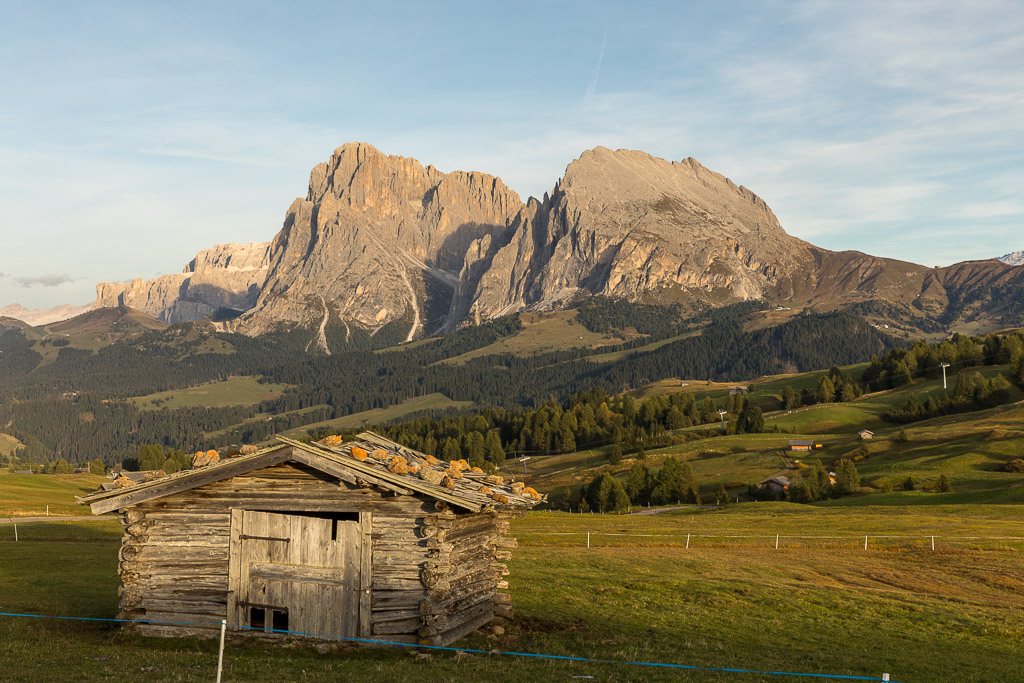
(378, 239)
(227, 276)
(626, 224)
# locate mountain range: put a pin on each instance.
(382, 242)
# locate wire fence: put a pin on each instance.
(223, 625)
(778, 541)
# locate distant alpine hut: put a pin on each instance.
(364, 539)
(801, 445)
(738, 391)
(866, 435)
(778, 484)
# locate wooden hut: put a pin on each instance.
(364, 539)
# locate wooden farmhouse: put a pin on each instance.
(365, 539)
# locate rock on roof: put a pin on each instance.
(370, 458)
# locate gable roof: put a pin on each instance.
(779, 479)
(336, 461)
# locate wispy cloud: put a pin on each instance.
(45, 280)
(588, 99)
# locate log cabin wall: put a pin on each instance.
(464, 574)
(174, 558)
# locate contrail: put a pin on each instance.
(588, 100)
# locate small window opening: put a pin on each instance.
(257, 617)
(334, 530)
(279, 620)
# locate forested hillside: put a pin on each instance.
(75, 407)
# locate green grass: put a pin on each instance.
(8, 444)
(814, 606)
(613, 356)
(29, 494)
(238, 391)
(378, 415)
(542, 332)
(967, 448)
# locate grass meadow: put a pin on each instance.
(817, 605)
(28, 495)
(378, 415)
(238, 391)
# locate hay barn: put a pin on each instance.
(364, 539)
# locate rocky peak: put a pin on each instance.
(1015, 258)
(377, 240)
(624, 223)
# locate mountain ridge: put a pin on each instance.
(381, 241)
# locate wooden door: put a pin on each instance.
(298, 573)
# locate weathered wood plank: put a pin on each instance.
(366, 523)
(160, 488)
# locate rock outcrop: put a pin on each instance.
(227, 276)
(1015, 258)
(378, 240)
(626, 224)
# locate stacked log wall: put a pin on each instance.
(464, 575)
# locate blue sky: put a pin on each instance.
(134, 134)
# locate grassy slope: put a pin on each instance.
(377, 415)
(8, 444)
(819, 607)
(967, 448)
(542, 332)
(29, 494)
(232, 392)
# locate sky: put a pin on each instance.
(132, 135)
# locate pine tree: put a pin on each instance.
(789, 400)
(493, 452)
(819, 482)
(708, 410)
(637, 482)
(615, 454)
(826, 390)
(721, 495)
(847, 478)
(750, 421)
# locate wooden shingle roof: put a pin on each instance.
(463, 489)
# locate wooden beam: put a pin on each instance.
(341, 472)
(133, 495)
(436, 492)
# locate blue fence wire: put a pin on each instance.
(535, 655)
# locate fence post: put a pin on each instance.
(933, 543)
(47, 510)
(220, 655)
(776, 541)
(865, 542)
(588, 539)
(687, 541)
(15, 533)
